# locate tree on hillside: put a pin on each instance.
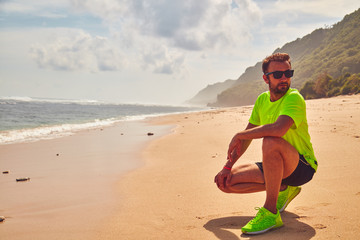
(326, 86)
(321, 86)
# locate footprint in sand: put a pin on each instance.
(323, 204)
(319, 226)
(304, 208)
(190, 227)
(302, 217)
(209, 217)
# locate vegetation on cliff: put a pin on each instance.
(326, 86)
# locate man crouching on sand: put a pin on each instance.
(279, 118)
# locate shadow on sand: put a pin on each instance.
(292, 229)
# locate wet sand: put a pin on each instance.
(72, 181)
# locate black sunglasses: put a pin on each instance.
(278, 74)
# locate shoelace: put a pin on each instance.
(258, 216)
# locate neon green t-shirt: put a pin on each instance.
(292, 104)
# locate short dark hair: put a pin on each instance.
(276, 57)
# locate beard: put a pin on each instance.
(281, 88)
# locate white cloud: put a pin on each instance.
(16, 7)
(139, 26)
(32, 7)
(78, 50)
(194, 25)
(108, 10)
(328, 8)
(187, 24)
(286, 20)
(162, 32)
(163, 60)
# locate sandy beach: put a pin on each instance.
(169, 192)
(173, 196)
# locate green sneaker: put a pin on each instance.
(264, 221)
(286, 196)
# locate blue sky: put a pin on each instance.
(145, 51)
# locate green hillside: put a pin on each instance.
(333, 52)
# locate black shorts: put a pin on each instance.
(301, 175)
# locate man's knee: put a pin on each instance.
(271, 143)
(225, 189)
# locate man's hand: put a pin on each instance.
(223, 178)
(239, 144)
(234, 150)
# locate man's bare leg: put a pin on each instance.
(245, 178)
(280, 159)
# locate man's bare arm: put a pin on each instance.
(276, 129)
(243, 146)
(225, 173)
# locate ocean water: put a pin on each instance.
(30, 119)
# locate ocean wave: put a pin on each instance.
(25, 119)
(62, 130)
(51, 132)
(14, 99)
